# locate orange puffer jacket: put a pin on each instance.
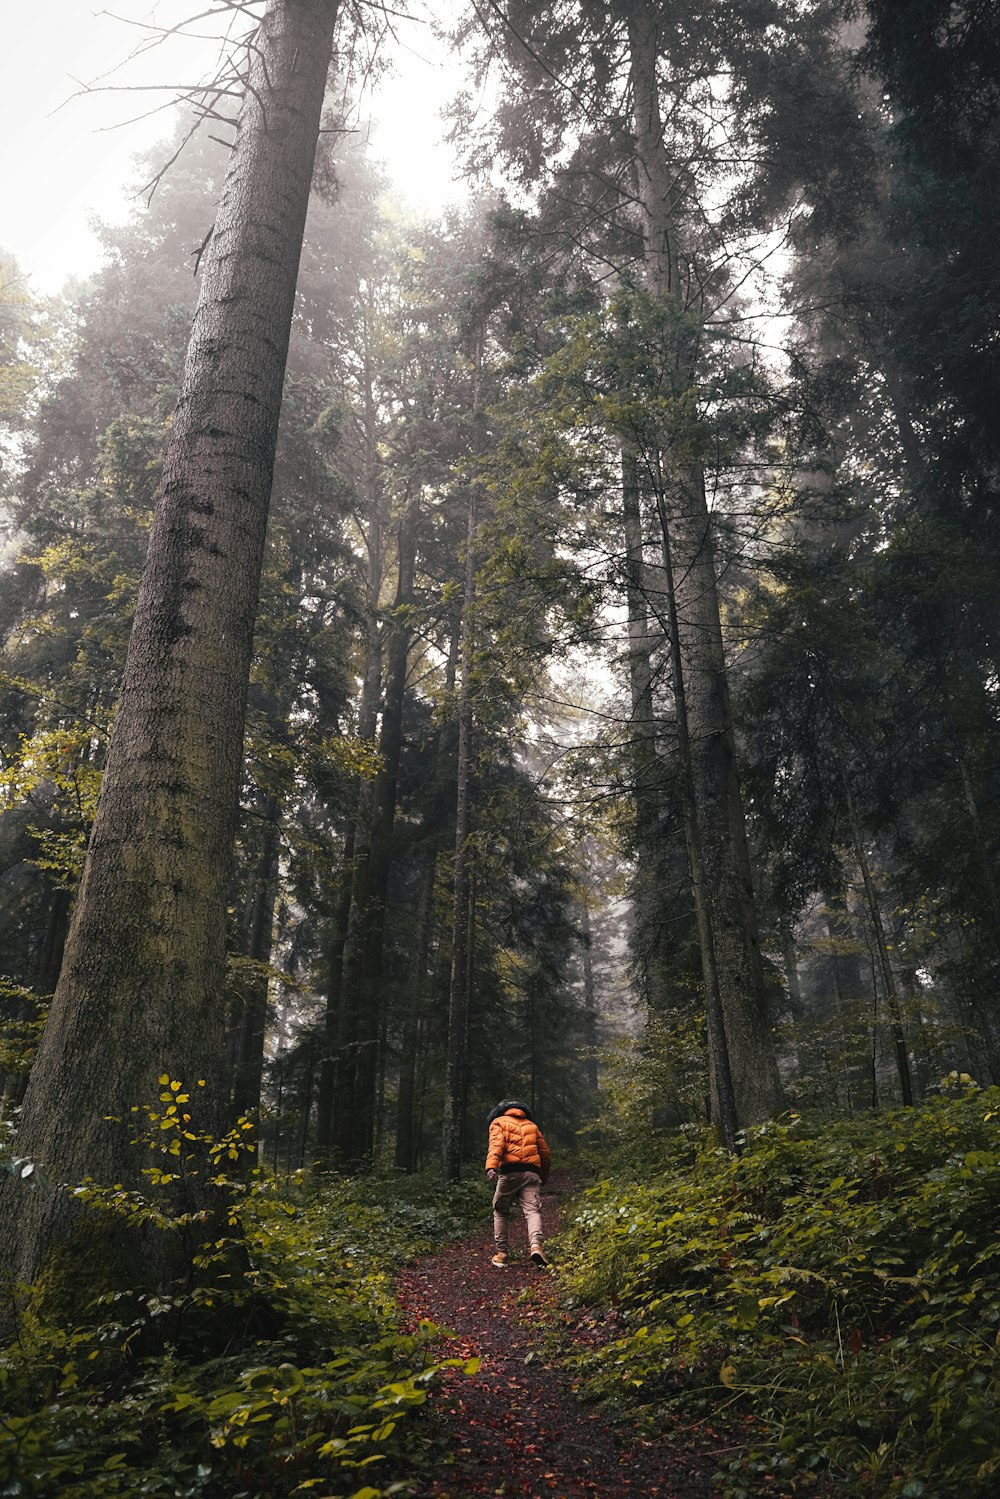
(517, 1144)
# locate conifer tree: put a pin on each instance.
(141, 989)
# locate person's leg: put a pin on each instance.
(504, 1203)
(531, 1207)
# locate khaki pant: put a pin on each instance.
(517, 1189)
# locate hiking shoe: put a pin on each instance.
(538, 1257)
(500, 1260)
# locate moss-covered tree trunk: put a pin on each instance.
(141, 989)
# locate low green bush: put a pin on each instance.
(841, 1281)
(294, 1377)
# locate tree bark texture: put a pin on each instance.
(141, 990)
(679, 483)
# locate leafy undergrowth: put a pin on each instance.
(841, 1281)
(307, 1386)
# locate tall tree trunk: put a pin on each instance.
(415, 1028)
(142, 985)
(792, 982)
(331, 1009)
(249, 1067)
(363, 979)
(336, 1074)
(307, 1102)
(878, 927)
(653, 951)
(589, 1004)
(725, 1113)
(350, 1000)
(727, 922)
(844, 968)
(410, 1042)
(458, 998)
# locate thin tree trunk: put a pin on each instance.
(142, 985)
(589, 1004)
(336, 1075)
(249, 1067)
(331, 1010)
(792, 974)
(845, 971)
(458, 998)
(278, 1113)
(417, 978)
(307, 1102)
(368, 931)
(650, 874)
(351, 1000)
(878, 927)
(410, 1138)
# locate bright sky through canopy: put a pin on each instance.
(68, 160)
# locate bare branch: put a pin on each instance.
(199, 252)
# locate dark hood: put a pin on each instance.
(504, 1105)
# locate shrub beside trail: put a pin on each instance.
(841, 1281)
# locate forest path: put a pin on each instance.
(515, 1427)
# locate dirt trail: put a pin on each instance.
(516, 1428)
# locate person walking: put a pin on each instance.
(517, 1164)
